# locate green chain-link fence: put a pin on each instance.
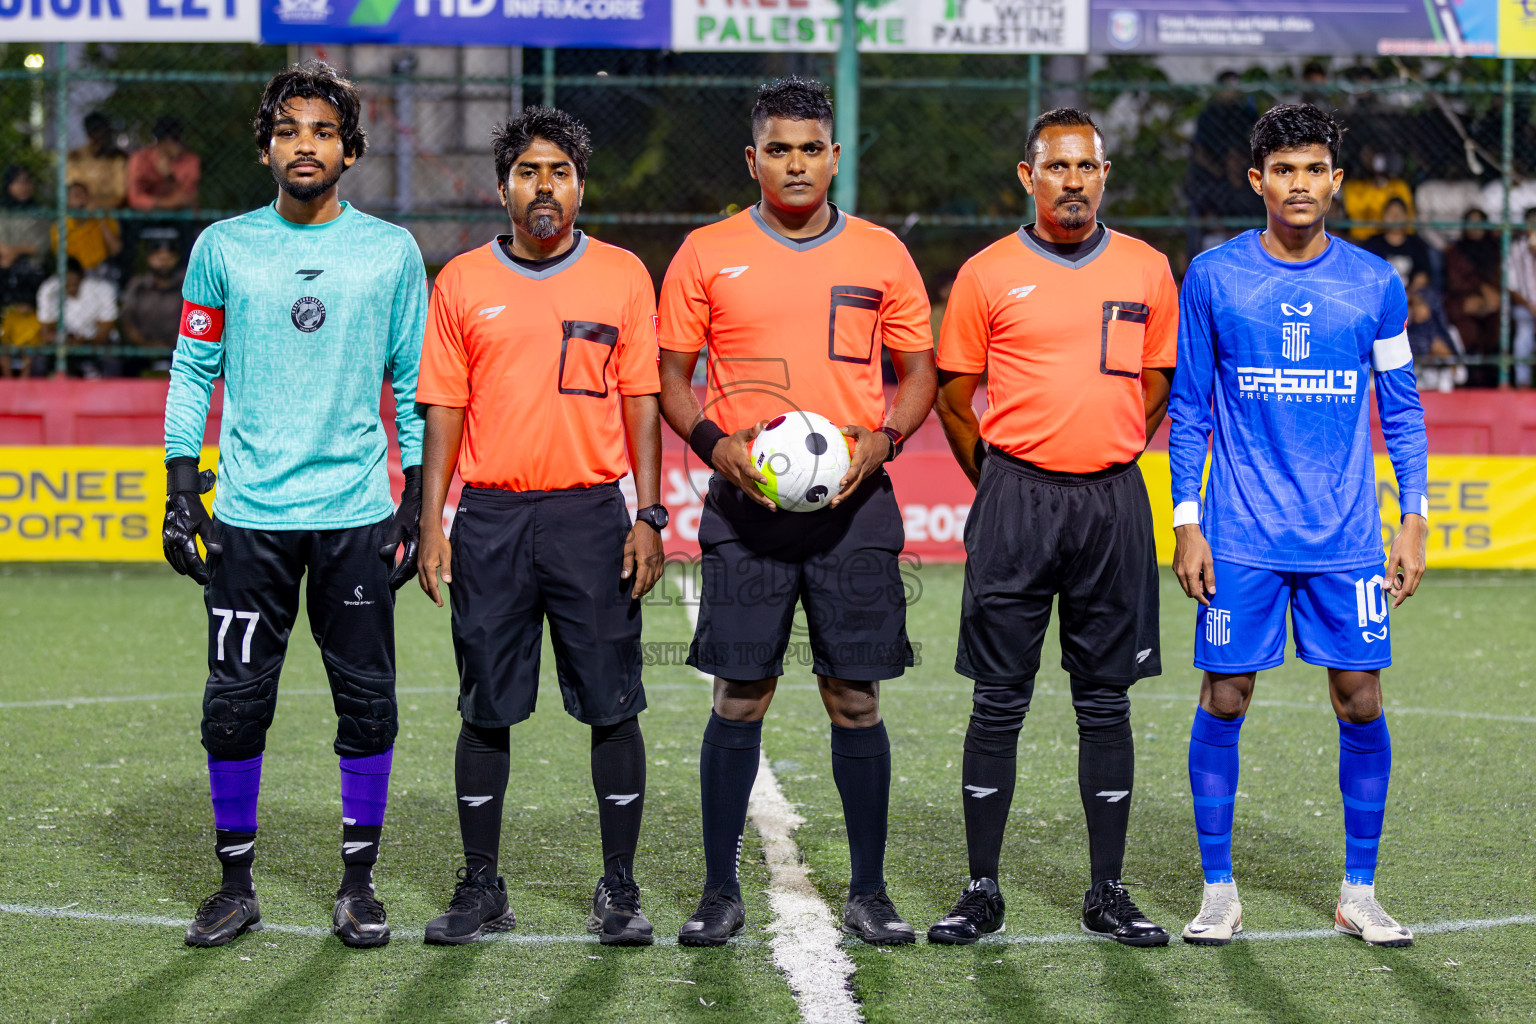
(940, 140)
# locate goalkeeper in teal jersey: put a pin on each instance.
(303, 307)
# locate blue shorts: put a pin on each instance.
(1339, 619)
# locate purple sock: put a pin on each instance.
(235, 786)
(365, 788)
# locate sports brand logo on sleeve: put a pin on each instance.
(201, 322)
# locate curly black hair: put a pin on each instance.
(1292, 126)
(794, 99)
(511, 140)
(1061, 117)
(317, 80)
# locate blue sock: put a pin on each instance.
(364, 797)
(1213, 781)
(1365, 766)
(235, 785)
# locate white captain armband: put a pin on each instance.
(1391, 353)
(1186, 513)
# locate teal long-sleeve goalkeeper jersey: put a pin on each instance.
(302, 321)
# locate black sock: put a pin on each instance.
(618, 777)
(1106, 771)
(727, 769)
(987, 776)
(359, 852)
(236, 852)
(480, 769)
(861, 767)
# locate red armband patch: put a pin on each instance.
(201, 322)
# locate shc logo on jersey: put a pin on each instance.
(308, 314)
(1371, 608)
(1218, 627)
(1293, 335)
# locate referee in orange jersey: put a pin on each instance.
(538, 371)
(1076, 327)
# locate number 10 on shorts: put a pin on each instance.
(228, 615)
(1371, 600)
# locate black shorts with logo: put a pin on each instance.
(253, 599)
(1033, 534)
(841, 563)
(520, 557)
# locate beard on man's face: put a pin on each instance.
(306, 191)
(1071, 218)
(543, 218)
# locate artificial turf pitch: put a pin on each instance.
(106, 812)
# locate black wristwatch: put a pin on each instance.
(896, 441)
(655, 517)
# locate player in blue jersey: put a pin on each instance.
(302, 307)
(1280, 332)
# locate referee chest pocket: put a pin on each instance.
(585, 352)
(1123, 338)
(852, 322)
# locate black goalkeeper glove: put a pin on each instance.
(186, 519)
(404, 528)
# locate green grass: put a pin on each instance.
(121, 791)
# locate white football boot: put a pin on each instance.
(1361, 916)
(1220, 917)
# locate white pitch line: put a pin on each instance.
(806, 943)
(1431, 928)
(516, 939)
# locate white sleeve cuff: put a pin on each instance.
(1391, 353)
(1186, 513)
(1415, 501)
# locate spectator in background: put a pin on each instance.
(164, 175)
(23, 238)
(1365, 198)
(1435, 358)
(1407, 252)
(100, 165)
(1472, 293)
(1219, 155)
(1316, 90)
(1522, 291)
(1446, 198)
(91, 240)
(90, 310)
(151, 308)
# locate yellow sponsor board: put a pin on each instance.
(1517, 29)
(1482, 509)
(71, 504)
(61, 503)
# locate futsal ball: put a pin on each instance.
(804, 456)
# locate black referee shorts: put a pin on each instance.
(520, 557)
(840, 563)
(1033, 534)
(253, 599)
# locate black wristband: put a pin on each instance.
(181, 474)
(706, 434)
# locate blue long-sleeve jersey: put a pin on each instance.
(1275, 361)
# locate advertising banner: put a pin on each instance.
(1458, 28)
(79, 503)
(636, 24)
(904, 26)
(130, 21)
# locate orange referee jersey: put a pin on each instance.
(793, 323)
(539, 359)
(1063, 345)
